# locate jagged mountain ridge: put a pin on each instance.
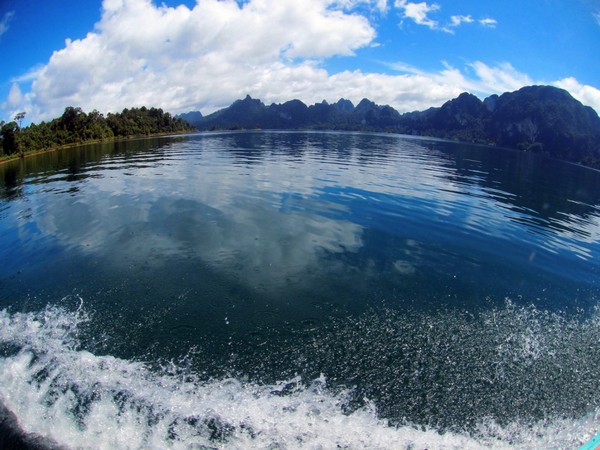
(535, 118)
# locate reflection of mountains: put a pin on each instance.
(375, 214)
(544, 193)
(541, 191)
(249, 147)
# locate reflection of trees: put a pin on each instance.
(539, 190)
(75, 162)
(11, 180)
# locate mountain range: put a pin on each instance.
(541, 119)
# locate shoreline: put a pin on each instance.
(17, 156)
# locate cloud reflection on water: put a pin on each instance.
(268, 208)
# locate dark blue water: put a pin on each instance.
(300, 290)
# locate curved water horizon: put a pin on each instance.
(374, 281)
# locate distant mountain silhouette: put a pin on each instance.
(191, 117)
(541, 119)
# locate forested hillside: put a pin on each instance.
(541, 119)
(76, 126)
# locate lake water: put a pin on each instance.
(300, 290)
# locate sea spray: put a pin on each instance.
(450, 369)
(66, 393)
(87, 401)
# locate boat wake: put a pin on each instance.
(56, 394)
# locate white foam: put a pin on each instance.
(82, 400)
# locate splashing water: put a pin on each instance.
(67, 394)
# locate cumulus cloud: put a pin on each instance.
(217, 52)
(505, 78)
(418, 12)
(483, 80)
(588, 95)
(183, 59)
(205, 57)
(15, 96)
(30, 75)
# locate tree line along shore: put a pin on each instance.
(76, 127)
(540, 119)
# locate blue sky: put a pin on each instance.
(188, 55)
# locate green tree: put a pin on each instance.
(10, 143)
(75, 126)
(19, 118)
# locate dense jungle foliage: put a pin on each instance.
(75, 127)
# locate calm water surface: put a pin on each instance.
(300, 290)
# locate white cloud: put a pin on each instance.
(15, 96)
(458, 20)
(204, 58)
(4, 23)
(486, 80)
(30, 75)
(418, 12)
(588, 95)
(502, 78)
(14, 101)
(380, 5)
(488, 22)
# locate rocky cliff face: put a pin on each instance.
(546, 119)
(535, 118)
